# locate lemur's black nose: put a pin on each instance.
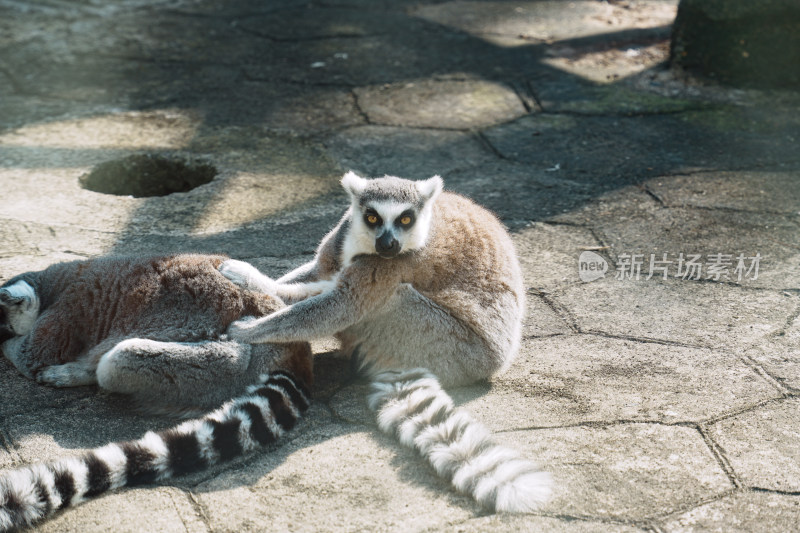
(386, 245)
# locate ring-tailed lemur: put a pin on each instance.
(424, 288)
(150, 328)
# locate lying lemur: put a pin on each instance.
(149, 328)
(423, 288)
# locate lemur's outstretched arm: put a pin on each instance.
(248, 277)
(305, 273)
(315, 317)
(326, 261)
(360, 289)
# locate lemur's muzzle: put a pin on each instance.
(386, 245)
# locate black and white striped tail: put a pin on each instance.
(263, 415)
(412, 406)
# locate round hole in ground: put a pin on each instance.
(142, 175)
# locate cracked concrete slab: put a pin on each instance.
(698, 314)
(21, 238)
(314, 22)
(581, 97)
(25, 397)
(394, 57)
(631, 471)
(747, 512)
(247, 188)
(517, 193)
(617, 205)
(754, 249)
(349, 403)
(541, 320)
(779, 355)
(759, 191)
(621, 150)
(549, 253)
(608, 380)
(770, 460)
(409, 153)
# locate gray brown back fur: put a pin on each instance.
(153, 325)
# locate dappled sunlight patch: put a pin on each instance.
(163, 129)
(605, 64)
(521, 23)
(448, 104)
(249, 197)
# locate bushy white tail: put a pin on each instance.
(263, 415)
(412, 406)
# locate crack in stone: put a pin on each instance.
(526, 96)
(759, 369)
(484, 140)
(199, 509)
(647, 190)
(699, 503)
(743, 410)
(719, 454)
(775, 491)
(559, 310)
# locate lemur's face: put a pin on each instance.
(19, 309)
(390, 215)
(392, 226)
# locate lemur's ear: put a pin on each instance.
(16, 293)
(353, 184)
(430, 188)
(7, 299)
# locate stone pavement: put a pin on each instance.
(659, 402)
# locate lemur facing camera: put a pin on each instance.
(423, 288)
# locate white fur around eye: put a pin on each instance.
(359, 240)
(417, 236)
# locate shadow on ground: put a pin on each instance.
(559, 116)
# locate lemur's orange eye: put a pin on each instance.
(406, 220)
(372, 219)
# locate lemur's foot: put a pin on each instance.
(67, 375)
(247, 277)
